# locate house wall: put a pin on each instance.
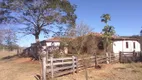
(55, 43)
(47, 44)
(121, 46)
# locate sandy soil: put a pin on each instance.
(18, 68)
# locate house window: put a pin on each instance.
(127, 45)
(134, 45)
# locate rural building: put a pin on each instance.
(49, 42)
(126, 45)
(123, 44)
(52, 43)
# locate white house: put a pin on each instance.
(52, 43)
(125, 45)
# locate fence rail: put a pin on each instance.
(129, 57)
(61, 66)
(55, 67)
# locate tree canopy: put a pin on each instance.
(108, 31)
(38, 15)
(105, 18)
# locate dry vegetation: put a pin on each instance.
(14, 68)
(24, 69)
(110, 72)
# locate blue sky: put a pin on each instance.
(126, 16)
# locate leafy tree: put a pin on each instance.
(38, 15)
(108, 32)
(105, 18)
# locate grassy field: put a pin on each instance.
(14, 68)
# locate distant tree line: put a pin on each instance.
(8, 39)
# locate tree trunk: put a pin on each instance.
(110, 57)
(37, 38)
(107, 56)
(37, 47)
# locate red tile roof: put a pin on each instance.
(101, 34)
(55, 39)
(115, 37)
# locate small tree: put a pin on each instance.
(10, 39)
(2, 36)
(108, 32)
(81, 31)
(92, 45)
(75, 38)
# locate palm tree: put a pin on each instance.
(108, 32)
(105, 18)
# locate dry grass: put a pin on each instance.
(131, 71)
(6, 53)
(14, 68)
(24, 69)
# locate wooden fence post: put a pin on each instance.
(52, 69)
(110, 57)
(47, 57)
(120, 56)
(107, 57)
(73, 64)
(44, 68)
(95, 58)
(77, 65)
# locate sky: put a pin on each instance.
(126, 16)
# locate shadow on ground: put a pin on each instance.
(9, 57)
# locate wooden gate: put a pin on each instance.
(127, 57)
(61, 66)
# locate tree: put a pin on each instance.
(79, 34)
(10, 39)
(105, 18)
(108, 32)
(38, 15)
(2, 32)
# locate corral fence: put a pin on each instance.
(128, 57)
(61, 66)
(55, 67)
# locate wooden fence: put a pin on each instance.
(127, 57)
(61, 66)
(54, 67)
